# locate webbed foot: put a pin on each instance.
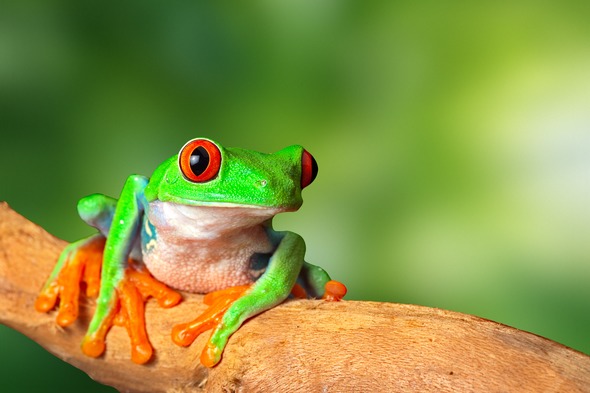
(219, 302)
(81, 262)
(128, 310)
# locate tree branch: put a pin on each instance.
(302, 345)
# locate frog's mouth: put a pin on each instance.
(196, 211)
(222, 204)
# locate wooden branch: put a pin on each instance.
(302, 345)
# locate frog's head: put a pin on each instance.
(206, 173)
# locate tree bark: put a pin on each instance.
(302, 345)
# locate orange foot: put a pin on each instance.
(132, 292)
(219, 301)
(82, 263)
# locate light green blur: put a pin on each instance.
(453, 139)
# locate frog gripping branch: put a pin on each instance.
(203, 224)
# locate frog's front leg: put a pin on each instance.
(125, 286)
(124, 305)
(230, 308)
(271, 289)
(314, 282)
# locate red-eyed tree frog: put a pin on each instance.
(203, 224)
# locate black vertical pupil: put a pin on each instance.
(199, 160)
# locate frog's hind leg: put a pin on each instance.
(314, 282)
(80, 261)
(120, 303)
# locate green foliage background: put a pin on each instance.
(453, 138)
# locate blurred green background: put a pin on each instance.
(453, 139)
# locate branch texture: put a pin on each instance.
(302, 345)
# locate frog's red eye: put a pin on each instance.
(199, 160)
(309, 169)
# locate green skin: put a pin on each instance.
(253, 181)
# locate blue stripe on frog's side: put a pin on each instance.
(149, 236)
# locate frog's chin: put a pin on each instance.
(207, 220)
(194, 211)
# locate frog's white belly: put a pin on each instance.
(205, 248)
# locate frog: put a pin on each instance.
(202, 223)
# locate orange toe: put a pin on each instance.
(210, 355)
(93, 347)
(334, 291)
(298, 292)
(47, 298)
(141, 353)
